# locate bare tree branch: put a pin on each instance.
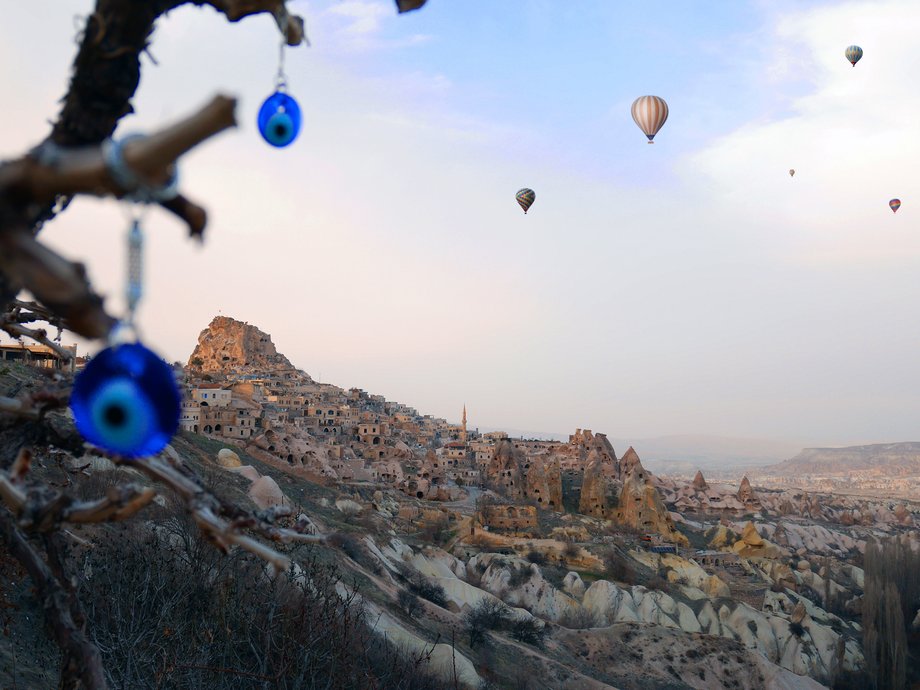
(62, 285)
(39, 335)
(81, 657)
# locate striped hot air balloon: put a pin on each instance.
(650, 113)
(895, 204)
(525, 197)
(853, 53)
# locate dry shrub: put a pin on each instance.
(492, 614)
(409, 603)
(355, 550)
(429, 590)
(488, 614)
(169, 611)
(578, 619)
(618, 567)
(537, 558)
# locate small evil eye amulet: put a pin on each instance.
(126, 400)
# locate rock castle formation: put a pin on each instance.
(231, 345)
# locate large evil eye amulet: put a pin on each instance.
(279, 119)
(126, 401)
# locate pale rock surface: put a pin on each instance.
(348, 506)
(443, 658)
(266, 493)
(747, 496)
(715, 588)
(721, 536)
(687, 619)
(752, 545)
(248, 471)
(573, 585)
(226, 458)
(699, 483)
(750, 536)
(535, 594)
(641, 507)
(593, 497)
(778, 678)
(609, 604)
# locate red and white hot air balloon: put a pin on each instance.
(650, 113)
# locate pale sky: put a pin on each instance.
(687, 287)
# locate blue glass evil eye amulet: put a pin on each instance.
(126, 401)
(279, 119)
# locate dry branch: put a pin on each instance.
(206, 508)
(17, 407)
(81, 657)
(39, 335)
(40, 177)
(41, 508)
(61, 285)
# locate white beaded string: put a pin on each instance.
(134, 289)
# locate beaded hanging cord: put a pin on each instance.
(141, 193)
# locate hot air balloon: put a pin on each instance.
(853, 53)
(895, 204)
(525, 197)
(650, 113)
(791, 172)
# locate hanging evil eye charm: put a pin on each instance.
(126, 401)
(279, 119)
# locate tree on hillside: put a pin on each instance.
(890, 602)
(34, 188)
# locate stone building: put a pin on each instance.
(508, 518)
(211, 395)
(189, 415)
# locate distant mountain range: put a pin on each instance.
(879, 459)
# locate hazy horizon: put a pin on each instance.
(690, 287)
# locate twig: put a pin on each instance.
(17, 407)
(39, 335)
(61, 285)
(81, 657)
(231, 671)
(206, 508)
(39, 178)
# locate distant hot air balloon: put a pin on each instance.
(650, 113)
(791, 172)
(853, 53)
(895, 205)
(525, 197)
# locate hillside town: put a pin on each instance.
(764, 558)
(572, 540)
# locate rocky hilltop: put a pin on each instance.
(882, 469)
(891, 459)
(231, 345)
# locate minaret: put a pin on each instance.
(463, 421)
